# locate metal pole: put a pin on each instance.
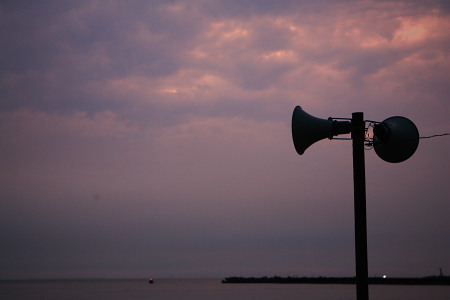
(359, 184)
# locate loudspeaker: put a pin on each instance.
(306, 129)
(395, 139)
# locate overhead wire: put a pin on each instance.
(369, 140)
(432, 136)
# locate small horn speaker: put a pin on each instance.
(306, 129)
(395, 139)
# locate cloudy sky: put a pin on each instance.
(154, 137)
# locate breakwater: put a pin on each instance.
(429, 280)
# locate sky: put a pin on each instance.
(153, 138)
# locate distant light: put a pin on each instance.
(384, 276)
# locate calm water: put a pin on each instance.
(203, 289)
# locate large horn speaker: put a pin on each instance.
(395, 139)
(306, 129)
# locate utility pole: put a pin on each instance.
(359, 184)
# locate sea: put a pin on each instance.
(204, 289)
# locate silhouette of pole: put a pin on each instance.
(359, 185)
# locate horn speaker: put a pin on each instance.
(306, 129)
(395, 139)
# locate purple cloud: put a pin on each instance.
(155, 136)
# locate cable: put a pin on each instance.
(369, 144)
(432, 136)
